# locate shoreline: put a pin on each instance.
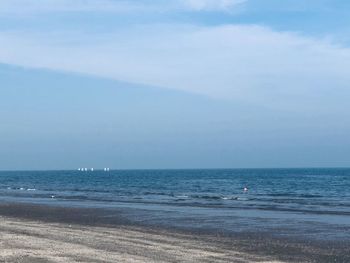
(62, 237)
(34, 241)
(253, 247)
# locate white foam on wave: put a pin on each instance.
(229, 198)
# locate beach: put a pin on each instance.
(34, 241)
(175, 216)
(37, 233)
(199, 131)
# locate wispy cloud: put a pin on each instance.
(23, 7)
(212, 4)
(245, 62)
(43, 6)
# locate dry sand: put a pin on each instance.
(23, 240)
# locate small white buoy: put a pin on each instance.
(245, 189)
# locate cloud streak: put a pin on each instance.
(200, 5)
(25, 7)
(238, 62)
(21, 7)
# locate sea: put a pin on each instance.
(297, 203)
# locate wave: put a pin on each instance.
(21, 188)
(207, 197)
(294, 195)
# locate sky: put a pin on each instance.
(161, 84)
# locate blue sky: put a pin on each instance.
(174, 84)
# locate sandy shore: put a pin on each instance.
(23, 240)
(42, 233)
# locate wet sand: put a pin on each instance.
(31, 233)
(30, 241)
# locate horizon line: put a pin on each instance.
(171, 169)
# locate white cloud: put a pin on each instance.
(43, 6)
(25, 7)
(250, 63)
(212, 4)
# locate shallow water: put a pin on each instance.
(293, 202)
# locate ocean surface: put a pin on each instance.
(307, 203)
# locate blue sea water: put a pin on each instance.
(312, 202)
